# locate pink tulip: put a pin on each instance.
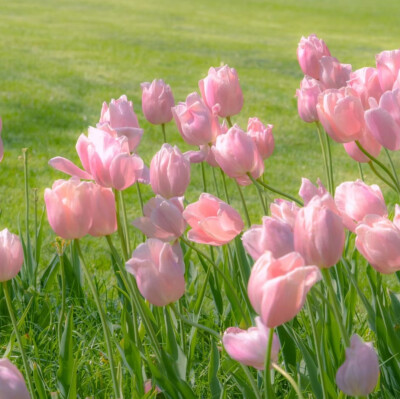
(159, 271)
(277, 288)
(368, 142)
(157, 101)
(118, 119)
(284, 210)
(162, 218)
(1, 142)
(11, 255)
(273, 235)
(195, 121)
(341, 114)
(237, 155)
(249, 347)
(262, 136)
(68, 205)
(106, 160)
(309, 51)
(359, 374)
(148, 386)
(388, 65)
(169, 172)
(307, 98)
(12, 383)
(308, 190)
(319, 234)
(213, 221)
(378, 240)
(102, 206)
(383, 121)
(355, 200)
(221, 91)
(333, 74)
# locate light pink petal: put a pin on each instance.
(66, 166)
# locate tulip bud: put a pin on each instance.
(12, 383)
(307, 98)
(11, 255)
(333, 74)
(365, 82)
(262, 137)
(388, 66)
(284, 210)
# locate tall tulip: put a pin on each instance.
(11, 255)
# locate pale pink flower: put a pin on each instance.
(262, 136)
(388, 66)
(11, 255)
(333, 74)
(12, 383)
(307, 98)
(284, 210)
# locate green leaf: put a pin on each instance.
(215, 386)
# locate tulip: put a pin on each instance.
(1, 142)
(388, 66)
(118, 119)
(273, 235)
(277, 288)
(159, 271)
(341, 114)
(106, 160)
(319, 234)
(69, 209)
(309, 51)
(169, 172)
(213, 221)
(12, 383)
(359, 374)
(284, 210)
(162, 218)
(308, 190)
(383, 121)
(355, 200)
(195, 121)
(307, 99)
(367, 142)
(262, 137)
(157, 101)
(250, 346)
(378, 240)
(237, 154)
(11, 255)
(333, 74)
(221, 91)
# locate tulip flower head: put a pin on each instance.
(388, 66)
(12, 383)
(11, 255)
(262, 136)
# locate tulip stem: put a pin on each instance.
(102, 318)
(360, 170)
(274, 190)
(246, 211)
(228, 283)
(125, 222)
(225, 187)
(328, 146)
(228, 119)
(336, 310)
(260, 195)
(324, 155)
(269, 392)
(392, 166)
(215, 181)
(163, 132)
(139, 194)
(21, 347)
(63, 295)
(290, 379)
(203, 174)
(251, 380)
(119, 226)
(371, 165)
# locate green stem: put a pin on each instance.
(360, 170)
(269, 393)
(119, 226)
(125, 223)
(260, 196)
(63, 296)
(228, 119)
(139, 194)
(106, 331)
(225, 187)
(251, 380)
(246, 211)
(21, 347)
(371, 165)
(328, 146)
(290, 379)
(324, 154)
(392, 166)
(163, 132)
(274, 190)
(203, 174)
(215, 182)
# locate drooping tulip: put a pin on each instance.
(307, 98)
(12, 383)
(11, 255)
(333, 74)
(159, 271)
(262, 136)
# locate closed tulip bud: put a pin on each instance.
(68, 205)
(355, 200)
(262, 136)
(307, 99)
(388, 66)
(195, 121)
(12, 383)
(341, 114)
(119, 119)
(309, 51)
(159, 271)
(319, 234)
(221, 91)
(162, 218)
(237, 154)
(308, 190)
(284, 210)
(366, 83)
(383, 121)
(11, 255)
(378, 240)
(278, 288)
(157, 101)
(273, 235)
(169, 172)
(213, 221)
(359, 374)
(1, 142)
(249, 347)
(333, 74)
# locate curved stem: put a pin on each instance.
(21, 347)
(360, 170)
(163, 132)
(269, 393)
(371, 165)
(125, 223)
(246, 211)
(139, 194)
(102, 318)
(324, 154)
(260, 196)
(392, 166)
(290, 379)
(228, 119)
(225, 188)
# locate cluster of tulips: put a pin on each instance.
(295, 247)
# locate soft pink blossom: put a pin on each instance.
(307, 98)
(367, 142)
(388, 66)
(284, 210)
(11, 255)
(333, 74)
(262, 136)
(12, 383)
